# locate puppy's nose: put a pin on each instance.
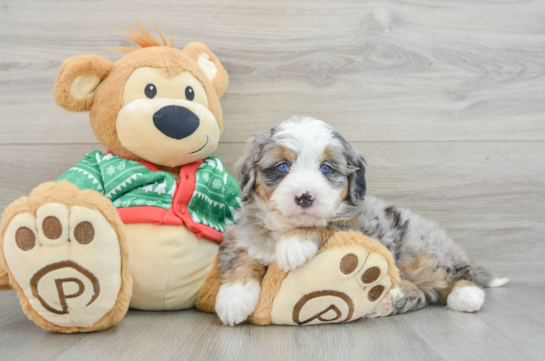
(305, 200)
(176, 122)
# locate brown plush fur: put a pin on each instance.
(70, 195)
(69, 71)
(108, 96)
(206, 300)
(4, 278)
(272, 282)
(221, 80)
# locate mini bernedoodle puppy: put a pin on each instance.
(302, 181)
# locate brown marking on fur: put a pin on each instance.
(69, 195)
(425, 275)
(206, 300)
(328, 153)
(282, 152)
(343, 196)
(272, 282)
(463, 283)
(452, 285)
(434, 281)
(265, 193)
(244, 270)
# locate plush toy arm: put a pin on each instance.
(346, 280)
(86, 174)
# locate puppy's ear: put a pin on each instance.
(247, 164)
(356, 166)
(78, 79)
(210, 64)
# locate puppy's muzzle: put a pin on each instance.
(176, 122)
(304, 200)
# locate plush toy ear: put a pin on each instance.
(77, 80)
(210, 65)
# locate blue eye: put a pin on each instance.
(325, 169)
(283, 168)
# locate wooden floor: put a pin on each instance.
(511, 326)
(446, 98)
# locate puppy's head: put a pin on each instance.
(302, 171)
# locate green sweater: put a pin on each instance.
(206, 199)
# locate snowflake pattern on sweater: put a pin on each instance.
(215, 202)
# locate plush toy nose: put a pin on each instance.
(176, 122)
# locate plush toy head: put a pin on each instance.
(157, 104)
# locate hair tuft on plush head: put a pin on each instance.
(143, 38)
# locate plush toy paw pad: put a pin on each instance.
(67, 262)
(338, 285)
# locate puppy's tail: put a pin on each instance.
(485, 279)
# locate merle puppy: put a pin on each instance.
(302, 181)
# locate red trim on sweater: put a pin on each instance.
(148, 214)
(181, 200)
(178, 214)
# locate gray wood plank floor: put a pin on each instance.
(510, 326)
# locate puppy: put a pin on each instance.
(301, 182)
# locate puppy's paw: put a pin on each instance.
(466, 299)
(292, 252)
(235, 302)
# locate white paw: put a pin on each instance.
(466, 299)
(292, 252)
(235, 303)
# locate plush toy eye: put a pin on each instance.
(283, 168)
(189, 93)
(150, 91)
(325, 169)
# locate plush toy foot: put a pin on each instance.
(65, 255)
(345, 281)
(4, 279)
